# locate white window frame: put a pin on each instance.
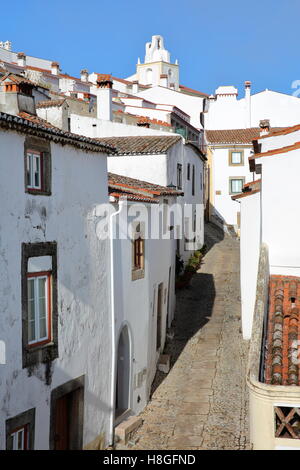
(24, 431)
(236, 179)
(35, 278)
(31, 159)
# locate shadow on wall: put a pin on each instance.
(213, 233)
(194, 307)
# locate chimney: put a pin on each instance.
(264, 125)
(164, 80)
(104, 97)
(84, 75)
(248, 103)
(55, 68)
(21, 59)
(135, 87)
(143, 122)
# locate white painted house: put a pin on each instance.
(55, 388)
(270, 289)
(167, 161)
(143, 269)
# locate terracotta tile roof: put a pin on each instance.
(28, 124)
(234, 136)
(283, 331)
(124, 184)
(282, 131)
(288, 148)
(18, 79)
(130, 196)
(50, 103)
(196, 92)
(141, 145)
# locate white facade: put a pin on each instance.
(226, 111)
(84, 345)
(162, 169)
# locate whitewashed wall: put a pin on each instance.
(78, 183)
(224, 206)
(249, 256)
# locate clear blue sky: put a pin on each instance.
(216, 42)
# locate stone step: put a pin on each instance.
(124, 430)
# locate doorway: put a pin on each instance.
(159, 315)
(66, 429)
(123, 374)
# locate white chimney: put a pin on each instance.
(135, 87)
(55, 68)
(84, 75)
(21, 59)
(164, 80)
(104, 97)
(248, 103)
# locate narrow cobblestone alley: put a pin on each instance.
(202, 402)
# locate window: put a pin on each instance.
(236, 157)
(39, 307)
(236, 185)
(39, 303)
(34, 170)
(179, 176)
(188, 172)
(20, 438)
(37, 158)
(287, 422)
(20, 431)
(193, 181)
(138, 253)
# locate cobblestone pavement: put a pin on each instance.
(202, 402)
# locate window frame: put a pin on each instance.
(48, 276)
(188, 177)
(193, 180)
(233, 178)
(31, 186)
(26, 421)
(230, 162)
(14, 434)
(43, 351)
(179, 175)
(38, 147)
(139, 244)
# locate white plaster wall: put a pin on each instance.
(224, 206)
(280, 208)
(192, 105)
(56, 115)
(149, 112)
(93, 127)
(134, 302)
(279, 141)
(78, 183)
(151, 168)
(225, 112)
(249, 256)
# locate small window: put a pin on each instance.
(20, 431)
(193, 181)
(20, 438)
(188, 172)
(39, 303)
(37, 166)
(138, 253)
(179, 176)
(39, 308)
(236, 157)
(236, 185)
(34, 170)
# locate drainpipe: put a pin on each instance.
(113, 330)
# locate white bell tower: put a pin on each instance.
(157, 69)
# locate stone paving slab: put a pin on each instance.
(203, 403)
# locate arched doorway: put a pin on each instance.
(123, 374)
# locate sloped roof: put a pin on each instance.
(33, 125)
(234, 136)
(283, 331)
(141, 145)
(50, 103)
(18, 79)
(249, 188)
(125, 182)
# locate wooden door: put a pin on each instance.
(61, 426)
